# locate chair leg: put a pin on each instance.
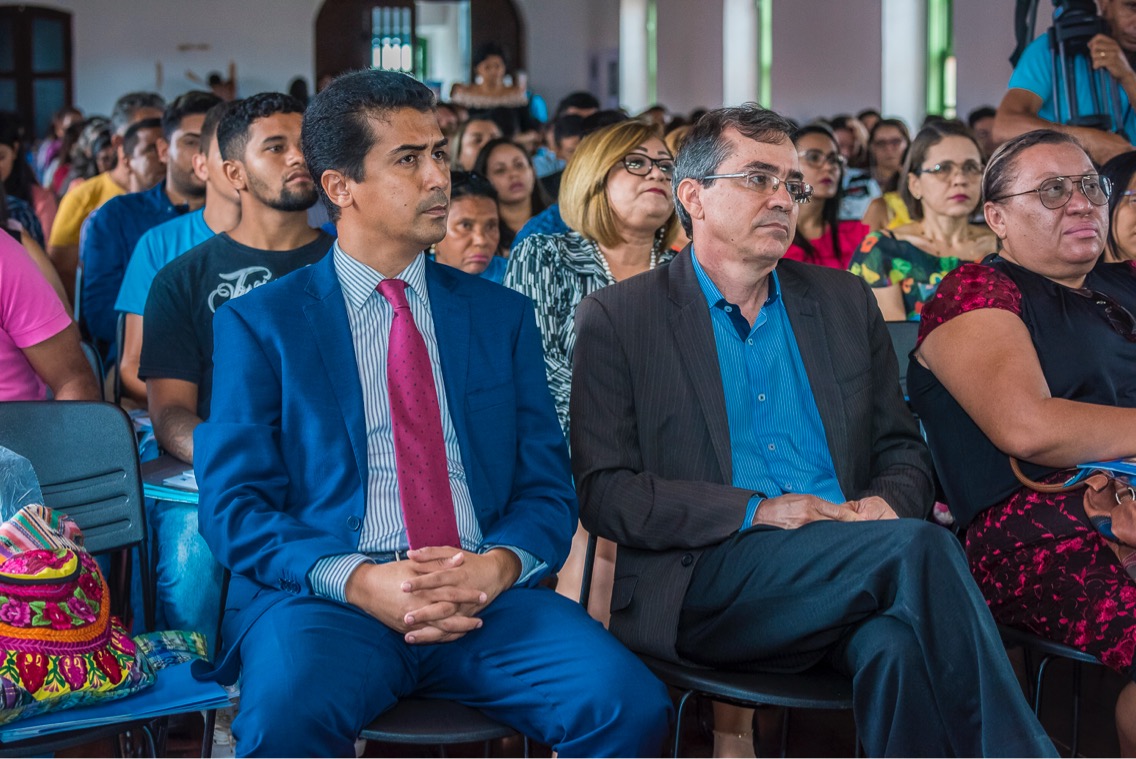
(682, 702)
(1037, 688)
(1076, 706)
(784, 733)
(207, 736)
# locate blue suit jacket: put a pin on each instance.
(282, 460)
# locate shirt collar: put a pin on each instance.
(160, 199)
(360, 281)
(714, 296)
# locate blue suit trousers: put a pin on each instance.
(315, 672)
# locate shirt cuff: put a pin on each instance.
(530, 564)
(751, 509)
(328, 578)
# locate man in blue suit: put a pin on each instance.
(330, 483)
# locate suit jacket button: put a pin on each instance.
(354, 523)
(687, 559)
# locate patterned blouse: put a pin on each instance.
(557, 272)
(883, 260)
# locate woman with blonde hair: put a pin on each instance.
(616, 200)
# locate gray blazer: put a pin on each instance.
(650, 441)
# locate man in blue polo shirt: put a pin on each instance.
(111, 233)
(167, 241)
(1030, 104)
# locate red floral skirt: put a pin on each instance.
(1044, 568)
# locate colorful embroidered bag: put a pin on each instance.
(59, 645)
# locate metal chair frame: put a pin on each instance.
(1049, 650)
(818, 688)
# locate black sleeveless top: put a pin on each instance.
(1083, 357)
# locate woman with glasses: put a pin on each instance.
(616, 200)
(863, 189)
(943, 173)
(821, 238)
(519, 195)
(1121, 172)
(1032, 354)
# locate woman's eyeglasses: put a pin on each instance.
(767, 184)
(818, 159)
(947, 169)
(890, 142)
(1056, 192)
(640, 164)
(1119, 317)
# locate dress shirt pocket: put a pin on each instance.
(483, 398)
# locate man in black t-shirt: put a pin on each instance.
(259, 140)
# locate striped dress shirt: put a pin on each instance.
(369, 316)
(777, 438)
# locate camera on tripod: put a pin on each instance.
(1075, 22)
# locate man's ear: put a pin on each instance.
(690, 195)
(235, 173)
(336, 186)
(201, 166)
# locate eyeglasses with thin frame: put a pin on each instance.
(889, 142)
(1129, 197)
(640, 164)
(818, 159)
(767, 184)
(1056, 192)
(946, 169)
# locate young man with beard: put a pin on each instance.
(111, 233)
(259, 140)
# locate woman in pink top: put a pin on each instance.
(821, 238)
(39, 344)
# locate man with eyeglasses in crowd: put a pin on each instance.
(755, 494)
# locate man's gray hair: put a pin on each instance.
(129, 104)
(704, 150)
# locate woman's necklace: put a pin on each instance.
(607, 267)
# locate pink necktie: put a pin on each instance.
(419, 450)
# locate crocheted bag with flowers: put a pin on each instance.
(59, 645)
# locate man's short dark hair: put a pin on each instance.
(571, 125)
(129, 104)
(337, 132)
(579, 99)
(133, 132)
(601, 119)
(704, 149)
(209, 126)
(190, 103)
(233, 129)
(980, 113)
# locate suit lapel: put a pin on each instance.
(327, 316)
(812, 342)
(690, 322)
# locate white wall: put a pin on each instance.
(826, 57)
(983, 41)
(119, 44)
(690, 54)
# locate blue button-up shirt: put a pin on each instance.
(777, 440)
(108, 239)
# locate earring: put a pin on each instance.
(917, 197)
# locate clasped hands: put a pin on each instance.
(794, 510)
(436, 594)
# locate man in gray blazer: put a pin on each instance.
(738, 429)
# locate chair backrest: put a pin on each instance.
(96, 366)
(119, 339)
(903, 336)
(86, 458)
